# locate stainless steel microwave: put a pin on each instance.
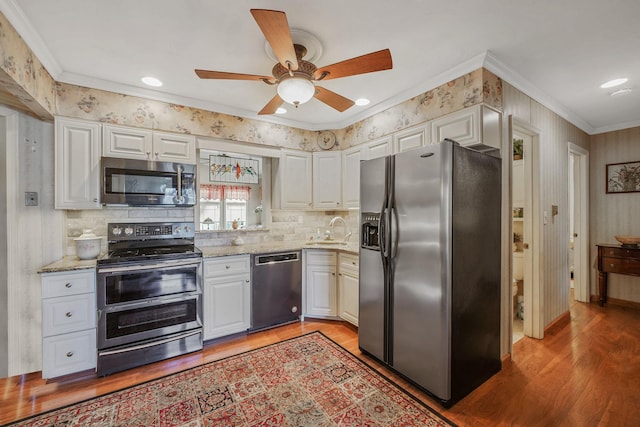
(147, 183)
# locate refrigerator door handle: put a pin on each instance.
(394, 233)
(382, 232)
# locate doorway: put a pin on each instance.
(527, 319)
(578, 255)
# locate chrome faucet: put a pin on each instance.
(332, 223)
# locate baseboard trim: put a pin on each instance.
(616, 302)
(560, 322)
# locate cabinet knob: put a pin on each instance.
(148, 153)
(525, 245)
(246, 281)
(95, 200)
(227, 267)
(353, 262)
(67, 285)
(70, 354)
(69, 314)
(155, 154)
(333, 274)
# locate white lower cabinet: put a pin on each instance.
(348, 283)
(226, 296)
(320, 283)
(69, 322)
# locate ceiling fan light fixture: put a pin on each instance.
(296, 90)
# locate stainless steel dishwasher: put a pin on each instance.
(276, 288)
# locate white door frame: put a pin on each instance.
(13, 266)
(581, 222)
(533, 250)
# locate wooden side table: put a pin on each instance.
(615, 259)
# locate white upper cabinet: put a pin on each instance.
(77, 164)
(327, 180)
(351, 176)
(174, 147)
(133, 143)
(294, 185)
(378, 148)
(477, 126)
(127, 143)
(411, 138)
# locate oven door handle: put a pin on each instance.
(143, 267)
(150, 344)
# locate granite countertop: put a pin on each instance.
(216, 251)
(70, 263)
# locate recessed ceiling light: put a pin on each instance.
(623, 91)
(281, 110)
(362, 101)
(151, 81)
(614, 82)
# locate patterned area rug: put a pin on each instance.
(304, 381)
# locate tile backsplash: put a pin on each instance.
(285, 225)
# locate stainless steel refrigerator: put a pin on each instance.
(430, 266)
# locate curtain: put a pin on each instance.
(218, 192)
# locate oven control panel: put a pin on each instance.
(140, 231)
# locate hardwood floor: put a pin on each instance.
(584, 374)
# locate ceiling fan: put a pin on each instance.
(293, 75)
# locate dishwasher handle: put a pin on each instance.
(277, 258)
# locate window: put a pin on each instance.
(222, 205)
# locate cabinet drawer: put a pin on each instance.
(225, 266)
(622, 253)
(68, 353)
(68, 314)
(68, 283)
(349, 263)
(622, 266)
(321, 257)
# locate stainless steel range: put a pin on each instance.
(149, 295)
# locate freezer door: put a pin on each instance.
(372, 184)
(373, 304)
(371, 315)
(420, 284)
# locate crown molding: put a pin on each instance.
(31, 37)
(616, 127)
(499, 68)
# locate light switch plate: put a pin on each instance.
(30, 198)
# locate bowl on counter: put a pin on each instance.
(88, 245)
(628, 241)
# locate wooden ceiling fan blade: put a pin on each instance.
(271, 106)
(208, 74)
(275, 27)
(374, 61)
(332, 99)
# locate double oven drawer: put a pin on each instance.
(143, 302)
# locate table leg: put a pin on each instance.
(602, 285)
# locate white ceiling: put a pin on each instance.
(559, 52)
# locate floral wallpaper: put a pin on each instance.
(23, 75)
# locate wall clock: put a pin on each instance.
(326, 140)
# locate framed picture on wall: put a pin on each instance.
(623, 177)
